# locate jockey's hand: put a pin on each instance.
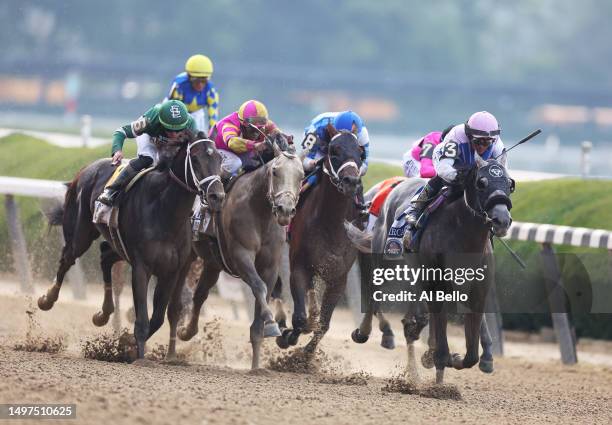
(117, 157)
(260, 147)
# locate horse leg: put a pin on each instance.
(441, 356)
(299, 281)
(73, 249)
(245, 262)
(174, 309)
(413, 325)
(486, 360)
(427, 357)
(140, 283)
(118, 282)
(331, 296)
(472, 336)
(362, 333)
(108, 257)
(388, 338)
(280, 316)
(208, 279)
(313, 311)
(256, 336)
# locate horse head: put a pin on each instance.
(196, 167)
(284, 177)
(343, 160)
(487, 190)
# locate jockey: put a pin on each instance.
(479, 135)
(316, 137)
(163, 122)
(417, 162)
(316, 140)
(239, 137)
(194, 88)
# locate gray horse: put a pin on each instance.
(461, 226)
(251, 236)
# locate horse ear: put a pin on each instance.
(331, 130)
(354, 129)
(479, 161)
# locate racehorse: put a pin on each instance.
(319, 247)
(154, 225)
(460, 226)
(249, 239)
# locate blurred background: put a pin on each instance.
(407, 67)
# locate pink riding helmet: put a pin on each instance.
(482, 125)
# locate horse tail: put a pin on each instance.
(362, 239)
(55, 211)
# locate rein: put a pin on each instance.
(188, 166)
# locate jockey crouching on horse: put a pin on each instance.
(317, 138)
(453, 157)
(418, 161)
(194, 88)
(241, 137)
(163, 123)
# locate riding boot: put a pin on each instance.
(110, 193)
(418, 203)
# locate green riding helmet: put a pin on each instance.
(173, 115)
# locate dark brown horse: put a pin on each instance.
(251, 234)
(319, 247)
(154, 224)
(458, 232)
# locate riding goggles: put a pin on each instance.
(258, 122)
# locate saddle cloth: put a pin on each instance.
(394, 245)
(383, 192)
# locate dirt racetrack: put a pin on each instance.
(216, 387)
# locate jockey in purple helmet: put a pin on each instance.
(478, 136)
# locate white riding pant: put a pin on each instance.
(412, 167)
(146, 148)
(230, 162)
(200, 119)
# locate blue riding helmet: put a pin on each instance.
(345, 120)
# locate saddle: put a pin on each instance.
(394, 246)
(109, 216)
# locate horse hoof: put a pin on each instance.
(427, 359)
(293, 338)
(456, 361)
(486, 366)
(100, 319)
(186, 333)
(358, 337)
(283, 340)
(44, 303)
(271, 329)
(388, 342)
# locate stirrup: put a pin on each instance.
(107, 197)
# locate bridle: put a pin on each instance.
(202, 186)
(478, 210)
(273, 196)
(334, 175)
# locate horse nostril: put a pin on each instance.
(293, 211)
